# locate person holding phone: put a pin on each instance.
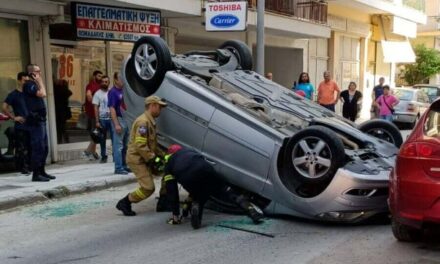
(34, 92)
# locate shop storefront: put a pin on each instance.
(103, 38)
(72, 68)
(14, 55)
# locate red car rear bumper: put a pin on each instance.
(414, 196)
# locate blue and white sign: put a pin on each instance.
(226, 16)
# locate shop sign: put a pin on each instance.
(93, 21)
(226, 16)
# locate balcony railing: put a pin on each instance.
(310, 10)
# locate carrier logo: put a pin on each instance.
(224, 21)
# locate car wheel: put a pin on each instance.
(405, 233)
(150, 60)
(241, 51)
(313, 155)
(383, 130)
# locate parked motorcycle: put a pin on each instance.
(7, 162)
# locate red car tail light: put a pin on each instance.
(427, 154)
(420, 150)
(408, 150)
(411, 107)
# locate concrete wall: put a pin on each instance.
(285, 63)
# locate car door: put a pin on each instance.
(185, 119)
(239, 148)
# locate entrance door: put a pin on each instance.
(348, 63)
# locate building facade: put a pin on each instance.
(368, 39)
(343, 36)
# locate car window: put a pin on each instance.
(431, 127)
(404, 95)
(432, 93)
(422, 97)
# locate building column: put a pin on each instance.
(334, 54)
(169, 35)
(362, 86)
(40, 55)
(52, 130)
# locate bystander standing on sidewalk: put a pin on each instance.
(91, 89)
(305, 86)
(120, 130)
(326, 92)
(269, 76)
(386, 103)
(34, 91)
(102, 114)
(377, 91)
(351, 99)
(15, 100)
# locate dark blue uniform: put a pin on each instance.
(21, 135)
(36, 124)
(198, 177)
(195, 174)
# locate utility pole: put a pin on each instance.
(260, 36)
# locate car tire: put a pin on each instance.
(405, 233)
(313, 155)
(241, 51)
(149, 70)
(383, 130)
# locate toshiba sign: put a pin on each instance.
(226, 16)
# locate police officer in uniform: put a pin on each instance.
(189, 168)
(34, 92)
(142, 150)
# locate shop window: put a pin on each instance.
(14, 56)
(72, 69)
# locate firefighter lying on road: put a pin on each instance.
(198, 177)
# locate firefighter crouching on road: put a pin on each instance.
(198, 177)
(142, 149)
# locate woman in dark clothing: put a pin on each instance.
(62, 109)
(351, 100)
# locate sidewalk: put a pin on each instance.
(72, 178)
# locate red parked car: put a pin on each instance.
(415, 181)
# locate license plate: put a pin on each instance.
(395, 117)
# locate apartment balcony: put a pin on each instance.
(308, 10)
(411, 10)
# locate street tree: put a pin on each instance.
(427, 64)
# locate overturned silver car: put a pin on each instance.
(293, 156)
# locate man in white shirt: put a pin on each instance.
(102, 112)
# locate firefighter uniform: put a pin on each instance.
(142, 149)
(189, 168)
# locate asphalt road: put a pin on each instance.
(88, 229)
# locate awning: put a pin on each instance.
(398, 52)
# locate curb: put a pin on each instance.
(61, 191)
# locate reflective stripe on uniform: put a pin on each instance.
(140, 193)
(140, 140)
(168, 177)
